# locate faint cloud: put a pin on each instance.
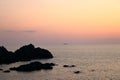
(8, 31)
(21, 31)
(29, 31)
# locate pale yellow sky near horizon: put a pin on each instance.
(59, 20)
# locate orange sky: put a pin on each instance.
(49, 21)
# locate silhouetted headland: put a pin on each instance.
(25, 53)
(33, 66)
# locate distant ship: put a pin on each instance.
(65, 43)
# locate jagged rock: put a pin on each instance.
(3, 51)
(5, 56)
(25, 53)
(33, 66)
(29, 52)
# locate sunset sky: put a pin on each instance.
(59, 21)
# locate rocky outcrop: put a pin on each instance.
(69, 66)
(6, 56)
(6, 71)
(25, 53)
(33, 66)
(77, 72)
(29, 52)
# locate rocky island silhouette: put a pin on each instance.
(25, 53)
(28, 53)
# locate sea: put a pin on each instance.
(94, 61)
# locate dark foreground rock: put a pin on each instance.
(33, 66)
(25, 53)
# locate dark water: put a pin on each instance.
(95, 62)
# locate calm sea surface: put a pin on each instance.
(95, 62)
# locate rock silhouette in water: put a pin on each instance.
(77, 72)
(7, 71)
(30, 52)
(25, 53)
(69, 66)
(33, 66)
(5, 56)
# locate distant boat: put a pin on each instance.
(65, 43)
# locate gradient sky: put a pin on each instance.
(59, 21)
